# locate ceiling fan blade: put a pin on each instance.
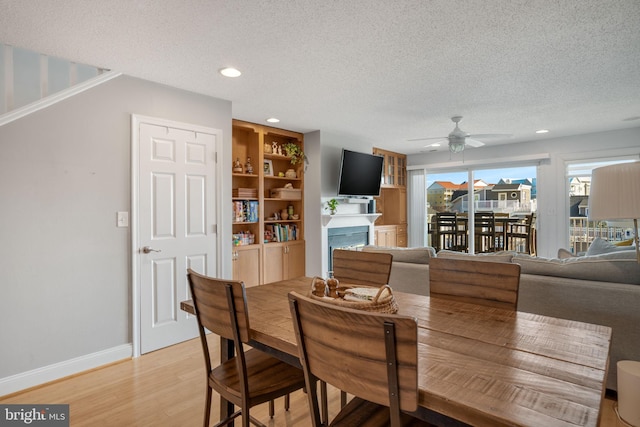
(473, 142)
(424, 139)
(490, 135)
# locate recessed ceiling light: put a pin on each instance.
(230, 72)
(435, 144)
(543, 131)
(273, 120)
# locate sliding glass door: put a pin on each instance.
(510, 194)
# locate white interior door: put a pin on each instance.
(176, 227)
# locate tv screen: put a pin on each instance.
(360, 174)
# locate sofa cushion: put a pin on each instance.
(618, 267)
(601, 246)
(502, 256)
(410, 255)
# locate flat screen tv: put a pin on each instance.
(360, 174)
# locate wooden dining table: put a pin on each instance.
(477, 365)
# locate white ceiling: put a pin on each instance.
(370, 71)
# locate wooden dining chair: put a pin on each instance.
(493, 284)
(372, 356)
(250, 377)
(358, 268)
(361, 268)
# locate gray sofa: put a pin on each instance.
(601, 289)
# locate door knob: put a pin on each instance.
(148, 249)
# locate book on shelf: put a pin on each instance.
(249, 193)
(282, 233)
(245, 211)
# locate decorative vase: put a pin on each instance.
(237, 166)
(284, 214)
(290, 173)
(248, 167)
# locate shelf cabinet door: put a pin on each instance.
(295, 259)
(246, 262)
(273, 262)
(284, 260)
(386, 235)
(394, 173)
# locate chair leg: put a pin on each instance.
(343, 399)
(207, 407)
(324, 409)
(272, 409)
(287, 401)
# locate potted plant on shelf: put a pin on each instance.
(332, 205)
(295, 152)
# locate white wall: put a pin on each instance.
(552, 184)
(65, 289)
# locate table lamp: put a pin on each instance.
(615, 194)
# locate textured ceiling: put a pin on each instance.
(379, 72)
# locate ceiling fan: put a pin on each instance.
(458, 138)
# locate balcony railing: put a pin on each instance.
(582, 232)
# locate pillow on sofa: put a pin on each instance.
(600, 246)
(628, 242)
(564, 253)
(617, 267)
(410, 255)
(503, 256)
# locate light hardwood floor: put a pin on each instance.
(166, 388)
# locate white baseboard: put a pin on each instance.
(59, 370)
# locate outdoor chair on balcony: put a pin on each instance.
(521, 236)
(485, 232)
(450, 232)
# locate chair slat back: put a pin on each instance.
(487, 283)
(362, 268)
(346, 348)
(212, 305)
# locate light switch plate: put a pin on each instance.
(122, 219)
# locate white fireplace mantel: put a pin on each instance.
(348, 220)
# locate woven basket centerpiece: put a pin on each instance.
(359, 297)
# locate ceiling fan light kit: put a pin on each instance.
(459, 139)
(456, 146)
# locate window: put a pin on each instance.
(582, 231)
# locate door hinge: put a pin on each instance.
(214, 228)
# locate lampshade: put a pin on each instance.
(615, 192)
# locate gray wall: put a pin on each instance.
(64, 173)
